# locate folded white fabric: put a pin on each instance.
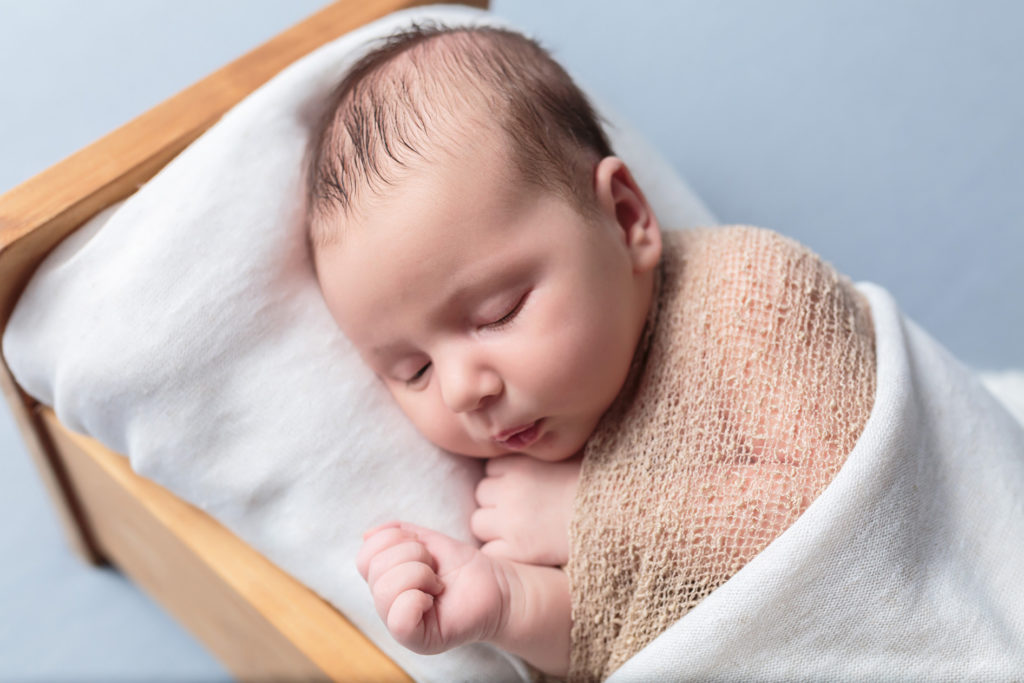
(185, 329)
(907, 567)
(1008, 387)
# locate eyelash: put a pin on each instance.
(419, 375)
(508, 317)
(496, 325)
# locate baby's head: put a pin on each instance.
(478, 242)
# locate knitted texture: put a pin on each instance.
(753, 381)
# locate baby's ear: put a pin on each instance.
(622, 201)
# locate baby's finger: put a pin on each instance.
(487, 492)
(484, 523)
(495, 466)
(498, 548)
(405, 619)
(402, 578)
(448, 553)
(380, 527)
(380, 541)
(408, 551)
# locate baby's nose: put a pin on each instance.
(468, 389)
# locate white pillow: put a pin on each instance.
(185, 328)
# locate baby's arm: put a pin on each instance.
(525, 509)
(435, 593)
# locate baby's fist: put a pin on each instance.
(433, 592)
(525, 509)
(402, 577)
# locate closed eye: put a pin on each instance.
(419, 375)
(509, 316)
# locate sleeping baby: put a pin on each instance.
(655, 407)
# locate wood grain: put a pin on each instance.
(258, 620)
(51, 470)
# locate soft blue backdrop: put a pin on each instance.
(886, 134)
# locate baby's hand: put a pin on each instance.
(525, 509)
(432, 591)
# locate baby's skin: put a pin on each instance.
(435, 592)
(503, 321)
(525, 509)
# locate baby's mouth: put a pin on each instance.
(519, 437)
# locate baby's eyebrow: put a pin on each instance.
(474, 289)
(384, 349)
(460, 293)
(478, 286)
(471, 289)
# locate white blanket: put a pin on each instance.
(910, 566)
(185, 329)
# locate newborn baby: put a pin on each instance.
(654, 414)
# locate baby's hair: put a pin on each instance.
(421, 86)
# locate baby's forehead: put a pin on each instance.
(448, 150)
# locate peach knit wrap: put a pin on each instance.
(753, 381)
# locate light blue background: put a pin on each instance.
(886, 134)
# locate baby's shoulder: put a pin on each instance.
(737, 280)
(736, 262)
(736, 249)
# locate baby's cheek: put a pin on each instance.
(588, 362)
(443, 429)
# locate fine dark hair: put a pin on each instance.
(422, 86)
